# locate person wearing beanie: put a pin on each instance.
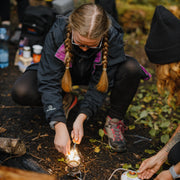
(163, 43)
(84, 48)
(163, 49)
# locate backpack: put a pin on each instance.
(36, 24)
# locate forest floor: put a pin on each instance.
(29, 125)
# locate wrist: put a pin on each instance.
(177, 168)
(162, 156)
(173, 173)
(59, 124)
(81, 118)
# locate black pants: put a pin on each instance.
(5, 9)
(174, 154)
(129, 73)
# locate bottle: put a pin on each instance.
(26, 52)
(37, 53)
(21, 45)
(4, 51)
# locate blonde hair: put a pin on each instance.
(90, 21)
(168, 77)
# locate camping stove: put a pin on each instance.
(73, 168)
(129, 175)
(73, 162)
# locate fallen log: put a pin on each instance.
(12, 146)
(8, 173)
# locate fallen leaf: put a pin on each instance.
(131, 127)
(39, 147)
(44, 135)
(28, 132)
(150, 151)
(61, 160)
(97, 149)
(2, 129)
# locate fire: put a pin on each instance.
(73, 156)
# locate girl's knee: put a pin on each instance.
(129, 68)
(19, 92)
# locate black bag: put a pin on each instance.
(36, 24)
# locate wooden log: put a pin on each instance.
(12, 146)
(8, 173)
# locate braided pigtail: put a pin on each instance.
(102, 85)
(66, 80)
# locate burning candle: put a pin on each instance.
(73, 162)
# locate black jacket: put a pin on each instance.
(86, 69)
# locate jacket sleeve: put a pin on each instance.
(94, 99)
(50, 71)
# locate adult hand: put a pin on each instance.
(151, 165)
(78, 130)
(164, 175)
(62, 140)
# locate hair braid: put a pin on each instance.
(168, 76)
(66, 79)
(102, 85)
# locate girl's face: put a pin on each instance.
(85, 43)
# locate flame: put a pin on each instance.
(73, 155)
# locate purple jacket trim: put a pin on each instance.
(60, 54)
(146, 72)
(97, 61)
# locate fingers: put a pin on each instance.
(65, 149)
(147, 174)
(81, 134)
(62, 149)
(77, 136)
(143, 166)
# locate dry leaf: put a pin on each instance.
(39, 147)
(97, 149)
(2, 129)
(28, 132)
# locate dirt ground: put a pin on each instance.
(29, 125)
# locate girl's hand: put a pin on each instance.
(151, 165)
(62, 140)
(164, 175)
(78, 130)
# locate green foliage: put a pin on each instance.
(101, 133)
(151, 109)
(165, 138)
(127, 166)
(150, 151)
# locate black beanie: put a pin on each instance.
(163, 43)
